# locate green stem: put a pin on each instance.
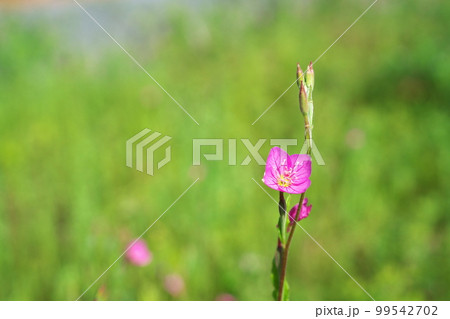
(281, 249)
(282, 221)
(284, 256)
(287, 244)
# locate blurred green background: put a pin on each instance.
(70, 98)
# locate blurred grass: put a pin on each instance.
(69, 99)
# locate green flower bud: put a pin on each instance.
(303, 97)
(299, 75)
(309, 77)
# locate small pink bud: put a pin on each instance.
(138, 253)
(303, 213)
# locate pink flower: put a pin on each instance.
(289, 174)
(138, 253)
(303, 213)
(174, 284)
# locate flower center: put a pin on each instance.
(284, 180)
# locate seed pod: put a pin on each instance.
(309, 78)
(303, 98)
(299, 75)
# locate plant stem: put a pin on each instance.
(285, 250)
(284, 256)
(291, 234)
(282, 222)
(285, 244)
(281, 248)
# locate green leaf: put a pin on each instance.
(276, 262)
(288, 201)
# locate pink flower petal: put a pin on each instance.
(286, 173)
(303, 213)
(298, 188)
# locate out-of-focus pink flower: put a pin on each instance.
(138, 253)
(303, 213)
(289, 174)
(174, 284)
(225, 297)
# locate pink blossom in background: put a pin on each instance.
(174, 284)
(138, 254)
(287, 173)
(303, 213)
(225, 297)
